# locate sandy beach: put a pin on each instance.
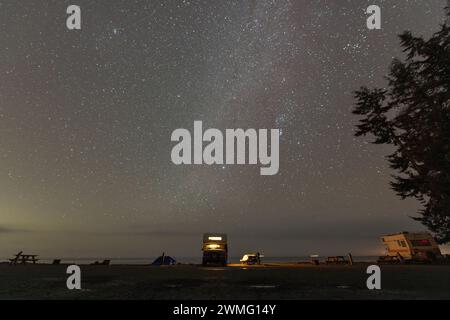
(283, 281)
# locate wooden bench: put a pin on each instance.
(103, 263)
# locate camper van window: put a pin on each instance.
(401, 243)
(421, 243)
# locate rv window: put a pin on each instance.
(401, 243)
(421, 243)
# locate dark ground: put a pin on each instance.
(194, 282)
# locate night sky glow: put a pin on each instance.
(86, 118)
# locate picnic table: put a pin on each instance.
(21, 258)
(336, 260)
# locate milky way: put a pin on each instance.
(86, 118)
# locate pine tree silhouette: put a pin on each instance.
(413, 115)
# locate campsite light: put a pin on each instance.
(215, 238)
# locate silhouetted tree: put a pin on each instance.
(413, 115)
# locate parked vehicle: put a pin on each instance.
(215, 249)
(408, 247)
(251, 258)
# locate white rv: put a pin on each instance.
(406, 246)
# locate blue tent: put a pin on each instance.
(164, 261)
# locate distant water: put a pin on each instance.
(187, 260)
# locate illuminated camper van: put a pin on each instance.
(419, 246)
(215, 249)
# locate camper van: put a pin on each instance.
(413, 247)
(215, 249)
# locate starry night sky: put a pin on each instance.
(86, 118)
